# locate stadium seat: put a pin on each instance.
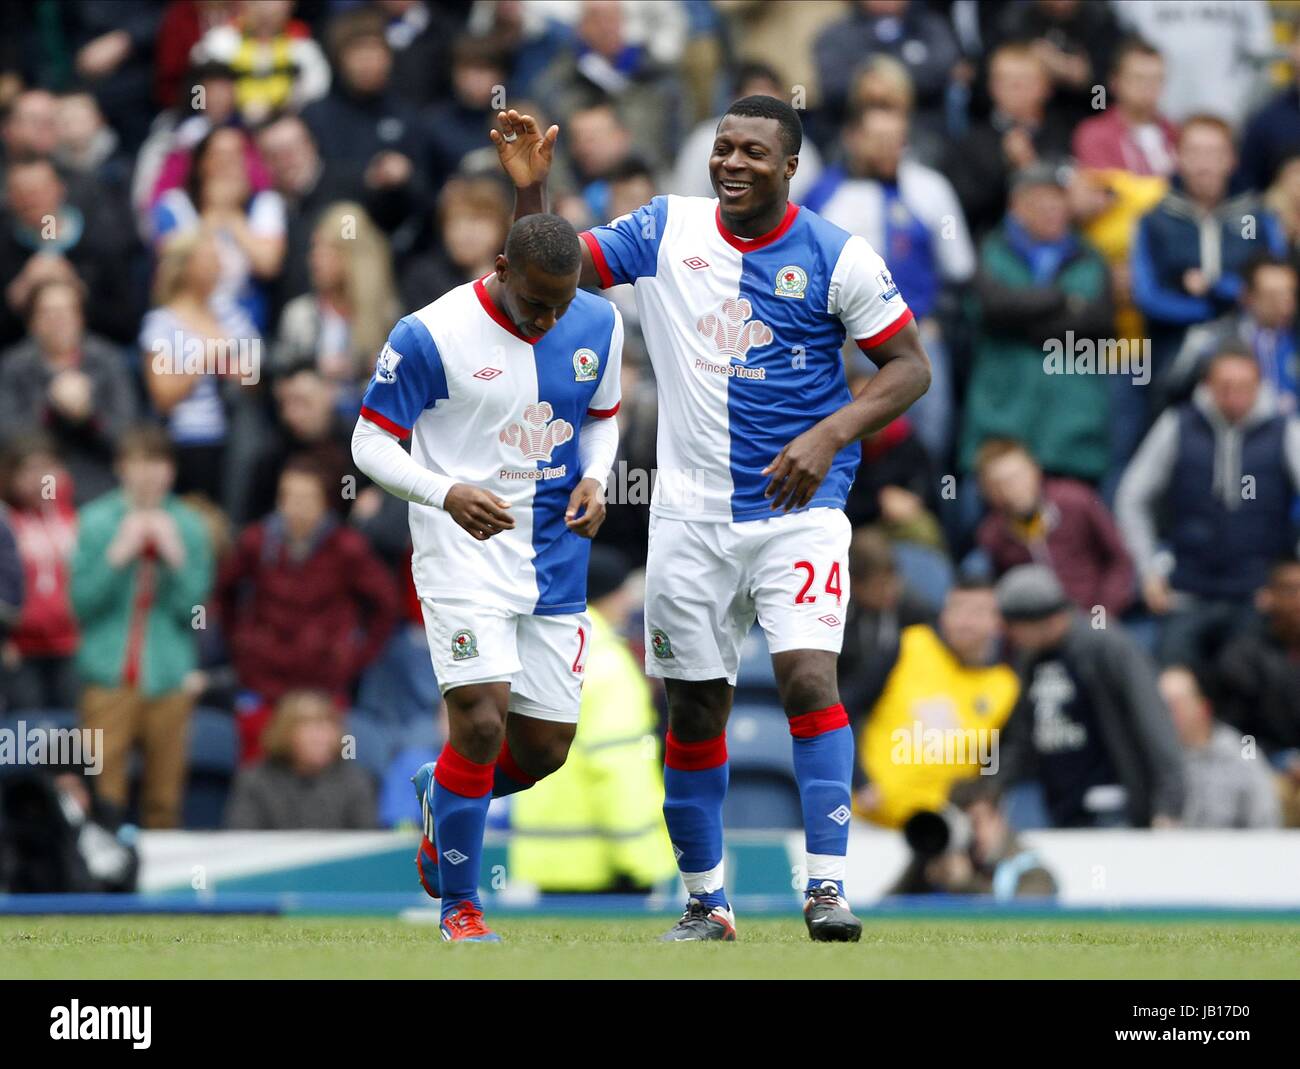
(400, 687)
(925, 570)
(214, 754)
(763, 792)
(375, 742)
(755, 680)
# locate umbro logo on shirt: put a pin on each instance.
(696, 263)
(487, 373)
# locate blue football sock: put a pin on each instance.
(823, 767)
(462, 791)
(695, 784)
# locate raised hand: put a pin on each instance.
(525, 152)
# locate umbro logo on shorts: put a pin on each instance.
(830, 620)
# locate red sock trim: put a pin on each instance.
(695, 756)
(506, 762)
(462, 776)
(819, 721)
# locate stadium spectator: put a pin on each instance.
(30, 130)
(184, 24)
(1215, 53)
(1074, 39)
(881, 606)
(1257, 681)
(908, 213)
(595, 825)
(909, 32)
(1130, 134)
(936, 719)
(420, 35)
(88, 147)
(690, 176)
(1061, 523)
(112, 51)
(342, 324)
(363, 128)
(1181, 276)
(68, 383)
(883, 82)
(40, 643)
(1283, 200)
(610, 62)
(1224, 469)
(458, 126)
(46, 236)
(276, 63)
(308, 423)
(1229, 784)
(1090, 727)
(141, 571)
(896, 484)
(1039, 282)
(1264, 325)
(304, 782)
(1019, 132)
(190, 345)
(248, 226)
(11, 599)
(472, 220)
(781, 37)
(1272, 136)
(304, 601)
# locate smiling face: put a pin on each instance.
(749, 168)
(533, 299)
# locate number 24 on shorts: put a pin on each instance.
(832, 582)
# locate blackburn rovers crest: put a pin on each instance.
(585, 365)
(731, 330)
(463, 645)
(537, 434)
(791, 281)
(659, 644)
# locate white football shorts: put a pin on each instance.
(707, 582)
(474, 643)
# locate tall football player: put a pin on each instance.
(745, 300)
(507, 387)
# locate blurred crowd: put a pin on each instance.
(213, 211)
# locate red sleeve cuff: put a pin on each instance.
(380, 420)
(598, 259)
(884, 335)
(604, 413)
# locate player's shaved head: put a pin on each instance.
(547, 242)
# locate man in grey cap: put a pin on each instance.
(1090, 726)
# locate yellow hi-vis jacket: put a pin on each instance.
(935, 723)
(601, 815)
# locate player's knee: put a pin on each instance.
(698, 710)
(806, 685)
(546, 755)
(480, 726)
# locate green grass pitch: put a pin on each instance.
(614, 948)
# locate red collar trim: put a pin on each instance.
(775, 234)
(498, 316)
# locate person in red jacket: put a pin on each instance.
(43, 518)
(304, 601)
(1061, 523)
